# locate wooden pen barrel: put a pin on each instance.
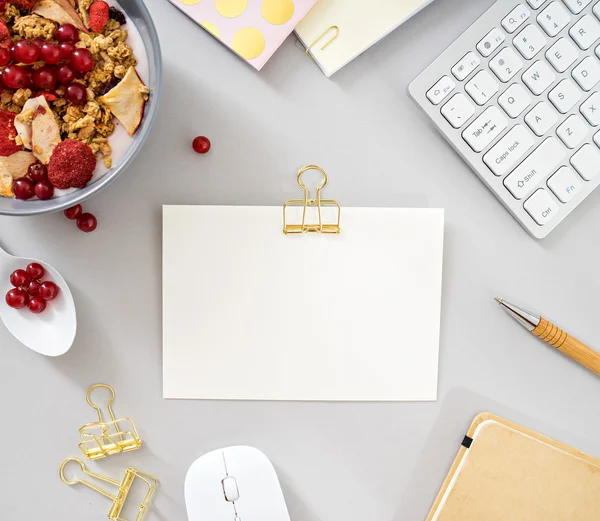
(568, 345)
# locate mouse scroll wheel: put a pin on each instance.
(230, 489)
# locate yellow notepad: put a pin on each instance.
(505, 472)
(352, 26)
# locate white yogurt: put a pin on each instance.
(120, 139)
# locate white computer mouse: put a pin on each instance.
(234, 484)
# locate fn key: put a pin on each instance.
(541, 207)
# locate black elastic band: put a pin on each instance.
(467, 442)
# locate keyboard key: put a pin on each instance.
(530, 41)
(541, 207)
(517, 17)
(596, 10)
(565, 96)
(467, 64)
(509, 150)
(491, 41)
(506, 64)
(587, 73)
(572, 131)
(534, 4)
(541, 119)
(562, 55)
(597, 139)
(485, 129)
(458, 110)
(440, 90)
(554, 18)
(585, 32)
(587, 162)
(591, 109)
(565, 184)
(482, 87)
(538, 77)
(543, 161)
(514, 100)
(576, 6)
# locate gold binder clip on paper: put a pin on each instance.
(334, 30)
(306, 203)
(123, 487)
(102, 438)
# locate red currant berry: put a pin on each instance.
(66, 48)
(73, 212)
(44, 78)
(76, 94)
(14, 77)
(50, 53)
(23, 189)
(33, 288)
(201, 145)
(26, 52)
(44, 190)
(48, 290)
(67, 33)
(37, 305)
(35, 270)
(86, 222)
(17, 298)
(38, 42)
(82, 60)
(64, 73)
(4, 56)
(19, 278)
(37, 172)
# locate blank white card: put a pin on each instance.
(252, 314)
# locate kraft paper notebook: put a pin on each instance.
(506, 472)
(252, 313)
(337, 31)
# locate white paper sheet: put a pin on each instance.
(252, 314)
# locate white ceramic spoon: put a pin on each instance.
(50, 333)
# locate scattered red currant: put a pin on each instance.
(87, 222)
(73, 212)
(14, 77)
(67, 33)
(44, 78)
(64, 73)
(17, 298)
(48, 290)
(38, 42)
(201, 144)
(25, 51)
(50, 53)
(44, 190)
(33, 288)
(76, 94)
(19, 278)
(82, 60)
(4, 56)
(23, 189)
(66, 48)
(37, 305)
(35, 270)
(37, 172)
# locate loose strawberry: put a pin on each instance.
(8, 134)
(98, 15)
(5, 41)
(23, 4)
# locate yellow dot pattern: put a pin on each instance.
(190, 2)
(211, 28)
(248, 42)
(277, 12)
(230, 8)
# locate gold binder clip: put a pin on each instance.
(100, 439)
(336, 32)
(123, 488)
(318, 227)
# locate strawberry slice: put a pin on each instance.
(8, 134)
(23, 4)
(5, 40)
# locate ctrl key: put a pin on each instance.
(541, 207)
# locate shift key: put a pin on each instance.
(530, 173)
(509, 150)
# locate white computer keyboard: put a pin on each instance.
(518, 97)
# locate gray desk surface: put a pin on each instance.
(336, 461)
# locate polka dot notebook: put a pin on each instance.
(253, 29)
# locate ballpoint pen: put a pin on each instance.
(554, 336)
